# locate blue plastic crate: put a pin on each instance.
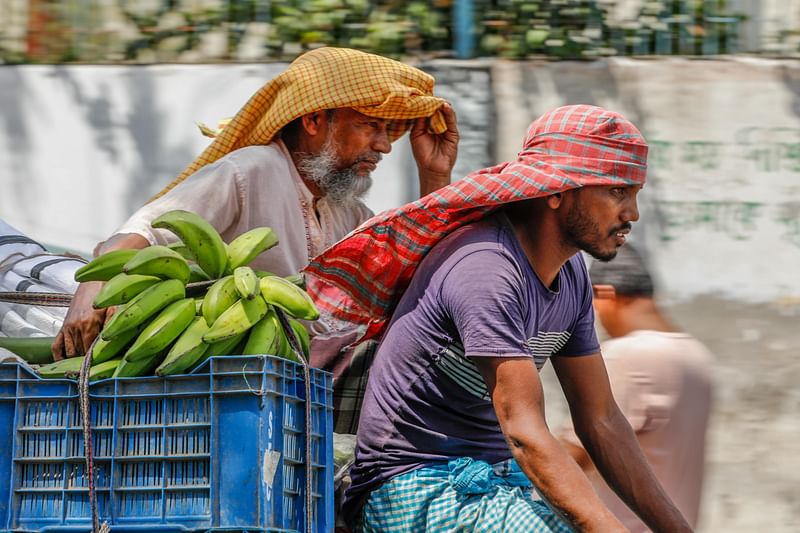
(221, 448)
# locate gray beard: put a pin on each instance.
(342, 187)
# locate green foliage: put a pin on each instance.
(580, 29)
(192, 30)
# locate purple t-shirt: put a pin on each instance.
(474, 295)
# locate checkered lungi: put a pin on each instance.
(462, 495)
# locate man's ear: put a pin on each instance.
(554, 200)
(313, 122)
(604, 292)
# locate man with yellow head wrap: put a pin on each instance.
(296, 157)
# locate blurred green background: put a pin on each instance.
(186, 31)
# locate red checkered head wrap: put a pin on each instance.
(361, 278)
(581, 144)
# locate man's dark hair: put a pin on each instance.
(627, 273)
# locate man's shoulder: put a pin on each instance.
(485, 234)
(645, 346)
(473, 241)
(257, 153)
(262, 161)
(482, 247)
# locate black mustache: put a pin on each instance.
(625, 226)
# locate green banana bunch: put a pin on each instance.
(104, 370)
(229, 346)
(302, 335)
(187, 350)
(159, 328)
(122, 288)
(181, 248)
(247, 246)
(264, 336)
(142, 367)
(224, 347)
(197, 274)
(282, 346)
(105, 350)
(220, 296)
(162, 330)
(105, 266)
(71, 367)
(62, 368)
(143, 306)
(238, 318)
(246, 282)
(200, 237)
(297, 279)
(289, 297)
(285, 349)
(159, 261)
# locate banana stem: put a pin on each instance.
(34, 350)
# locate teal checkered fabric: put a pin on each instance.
(463, 495)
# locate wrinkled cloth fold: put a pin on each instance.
(361, 278)
(328, 78)
(468, 476)
(461, 495)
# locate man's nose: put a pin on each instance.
(381, 142)
(631, 213)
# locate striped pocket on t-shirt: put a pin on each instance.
(453, 363)
(460, 369)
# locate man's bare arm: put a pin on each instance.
(612, 444)
(516, 393)
(83, 322)
(578, 454)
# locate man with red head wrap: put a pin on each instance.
(472, 289)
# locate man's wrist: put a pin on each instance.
(431, 181)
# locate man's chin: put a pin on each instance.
(604, 256)
(364, 173)
(364, 170)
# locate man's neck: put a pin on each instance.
(540, 239)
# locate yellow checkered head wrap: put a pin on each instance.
(328, 78)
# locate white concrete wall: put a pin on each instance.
(721, 210)
(82, 147)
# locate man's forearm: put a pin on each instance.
(559, 480)
(578, 454)
(518, 398)
(616, 453)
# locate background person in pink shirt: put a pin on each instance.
(661, 380)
